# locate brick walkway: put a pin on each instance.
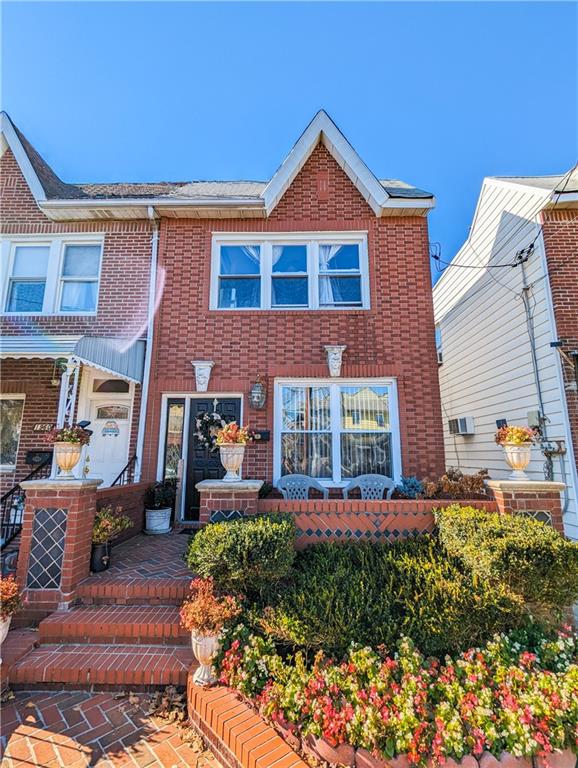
(74, 730)
(149, 557)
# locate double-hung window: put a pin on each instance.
(56, 275)
(290, 271)
(336, 430)
(11, 411)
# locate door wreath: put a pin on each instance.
(207, 426)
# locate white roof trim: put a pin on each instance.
(11, 140)
(323, 128)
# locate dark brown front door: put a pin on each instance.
(203, 464)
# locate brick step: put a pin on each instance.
(103, 667)
(119, 590)
(121, 624)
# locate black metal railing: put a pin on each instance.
(127, 475)
(12, 504)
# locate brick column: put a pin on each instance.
(535, 498)
(56, 540)
(217, 495)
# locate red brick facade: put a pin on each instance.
(395, 338)
(560, 231)
(122, 305)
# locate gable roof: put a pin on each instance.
(51, 192)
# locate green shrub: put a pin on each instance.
(530, 558)
(246, 555)
(373, 593)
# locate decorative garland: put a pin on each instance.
(207, 427)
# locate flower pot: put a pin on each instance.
(100, 557)
(365, 759)
(287, 731)
(232, 459)
(508, 760)
(67, 457)
(517, 458)
(4, 627)
(158, 520)
(205, 648)
(342, 754)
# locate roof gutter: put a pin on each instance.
(149, 343)
(153, 202)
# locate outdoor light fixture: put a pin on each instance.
(258, 394)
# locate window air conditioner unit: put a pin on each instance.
(464, 425)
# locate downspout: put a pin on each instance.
(149, 342)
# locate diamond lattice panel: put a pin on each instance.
(45, 563)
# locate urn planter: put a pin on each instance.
(205, 648)
(517, 458)
(232, 458)
(67, 457)
(4, 627)
(100, 557)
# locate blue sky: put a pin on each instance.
(438, 94)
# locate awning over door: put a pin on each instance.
(119, 357)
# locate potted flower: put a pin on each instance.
(232, 440)
(205, 614)
(10, 602)
(517, 444)
(68, 442)
(159, 502)
(109, 523)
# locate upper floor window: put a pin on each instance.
(56, 276)
(289, 271)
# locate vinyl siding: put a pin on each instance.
(487, 367)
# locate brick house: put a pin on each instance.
(74, 298)
(259, 278)
(509, 336)
(254, 279)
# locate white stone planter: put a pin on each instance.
(158, 520)
(4, 627)
(517, 458)
(232, 459)
(67, 457)
(205, 648)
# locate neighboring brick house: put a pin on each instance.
(74, 298)
(509, 336)
(259, 277)
(255, 279)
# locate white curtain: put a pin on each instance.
(78, 295)
(328, 289)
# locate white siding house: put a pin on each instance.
(495, 326)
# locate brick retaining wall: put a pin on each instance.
(131, 499)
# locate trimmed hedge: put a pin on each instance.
(372, 594)
(246, 555)
(530, 558)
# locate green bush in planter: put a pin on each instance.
(530, 558)
(161, 495)
(246, 555)
(374, 593)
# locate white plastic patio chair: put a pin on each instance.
(371, 487)
(298, 487)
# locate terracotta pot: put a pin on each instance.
(232, 458)
(205, 648)
(343, 754)
(288, 732)
(517, 458)
(564, 759)
(4, 627)
(67, 457)
(507, 760)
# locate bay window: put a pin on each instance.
(11, 411)
(290, 271)
(51, 275)
(336, 430)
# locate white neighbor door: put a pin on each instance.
(108, 449)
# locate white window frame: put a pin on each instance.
(312, 240)
(54, 277)
(9, 396)
(335, 430)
